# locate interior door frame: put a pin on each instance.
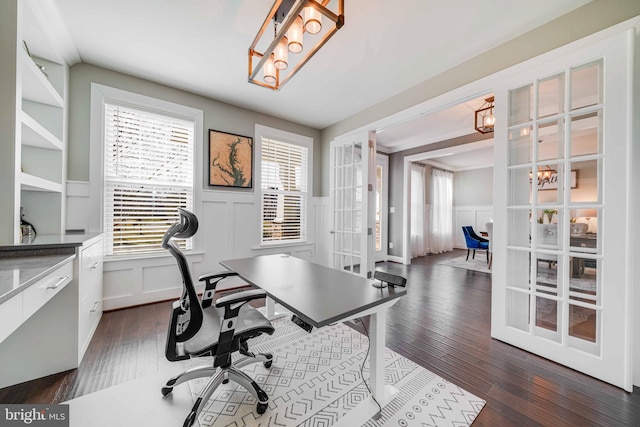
(383, 160)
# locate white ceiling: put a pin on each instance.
(383, 49)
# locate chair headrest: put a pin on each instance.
(182, 229)
(189, 223)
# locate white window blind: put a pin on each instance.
(284, 191)
(148, 174)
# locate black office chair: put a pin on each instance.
(212, 329)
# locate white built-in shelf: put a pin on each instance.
(36, 135)
(35, 86)
(33, 183)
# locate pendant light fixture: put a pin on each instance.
(312, 20)
(484, 118)
(291, 20)
(295, 35)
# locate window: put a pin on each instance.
(148, 174)
(284, 185)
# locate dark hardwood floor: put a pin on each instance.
(443, 324)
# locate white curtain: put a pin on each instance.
(441, 211)
(418, 176)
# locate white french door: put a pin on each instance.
(561, 283)
(352, 183)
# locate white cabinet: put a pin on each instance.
(90, 258)
(34, 123)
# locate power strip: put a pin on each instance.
(304, 325)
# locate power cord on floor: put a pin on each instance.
(378, 415)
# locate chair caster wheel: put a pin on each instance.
(191, 418)
(267, 364)
(225, 381)
(166, 390)
(261, 408)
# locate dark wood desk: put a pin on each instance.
(321, 295)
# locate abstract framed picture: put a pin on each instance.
(230, 160)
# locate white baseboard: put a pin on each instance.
(394, 258)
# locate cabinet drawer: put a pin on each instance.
(10, 316)
(90, 267)
(89, 315)
(36, 295)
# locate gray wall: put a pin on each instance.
(473, 187)
(217, 115)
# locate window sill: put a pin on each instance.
(147, 256)
(282, 245)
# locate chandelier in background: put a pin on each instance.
(484, 118)
(298, 30)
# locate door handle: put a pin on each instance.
(94, 265)
(332, 232)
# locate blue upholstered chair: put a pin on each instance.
(475, 242)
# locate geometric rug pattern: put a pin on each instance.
(315, 380)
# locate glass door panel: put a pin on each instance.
(585, 181)
(520, 146)
(586, 85)
(551, 96)
(551, 140)
(586, 134)
(521, 105)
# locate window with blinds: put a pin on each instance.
(148, 173)
(284, 191)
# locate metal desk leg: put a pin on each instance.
(376, 336)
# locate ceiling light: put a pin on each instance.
(289, 30)
(312, 20)
(484, 118)
(295, 35)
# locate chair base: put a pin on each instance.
(219, 376)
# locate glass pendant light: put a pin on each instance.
(281, 53)
(312, 20)
(269, 71)
(295, 36)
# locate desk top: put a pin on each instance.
(317, 294)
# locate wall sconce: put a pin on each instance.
(294, 18)
(484, 118)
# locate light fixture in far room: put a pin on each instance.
(292, 20)
(484, 118)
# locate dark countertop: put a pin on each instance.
(49, 241)
(23, 264)
(18, 273)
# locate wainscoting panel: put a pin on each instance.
(229, 227)
(476, 216)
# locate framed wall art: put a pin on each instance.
(230, 160)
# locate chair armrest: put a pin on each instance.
(220, 275)
(212, 280)
(243, 297)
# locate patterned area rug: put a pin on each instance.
(478, 264)
(315, 380)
